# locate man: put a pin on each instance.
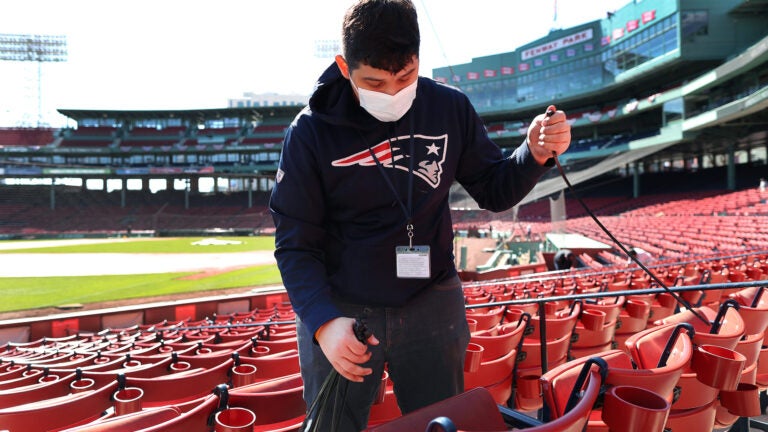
(361, 210)
(564, 259)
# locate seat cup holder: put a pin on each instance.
(81, 385)
(634, 409)
(234, 419)
(243, 374)
(529, 386)
(637, 308)
(180, 366)
(742, 402)
(593, 320)
(550, 309)
(472, 324)
(666, 300)
(473, 357)
(718, 367)
(259, 351)
(48, 378)
(128, 400)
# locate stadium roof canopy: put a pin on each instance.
(248, 113)
(750, 7)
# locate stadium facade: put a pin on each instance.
(655, 85)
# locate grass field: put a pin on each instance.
(22, 293)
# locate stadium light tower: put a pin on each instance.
(34, 48)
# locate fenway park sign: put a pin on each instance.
(554, 45)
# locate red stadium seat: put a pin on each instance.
(273, 366)
(170, 389)
(194, 417)
(132, 422)
(59, 412)
(476, 410)
(275, 401)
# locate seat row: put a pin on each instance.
(531, 339)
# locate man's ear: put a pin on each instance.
(343, 66)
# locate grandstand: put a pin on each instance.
(667, 103)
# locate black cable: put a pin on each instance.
(678, 298)
(330, 391)
(329, 385)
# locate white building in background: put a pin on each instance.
(250, 99)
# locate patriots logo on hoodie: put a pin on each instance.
(430, 155)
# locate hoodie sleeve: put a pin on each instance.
(298, 209)
(494, 182)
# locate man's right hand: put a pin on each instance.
(342, 349)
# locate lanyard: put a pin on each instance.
(407, 211)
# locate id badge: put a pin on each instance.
(412, 262)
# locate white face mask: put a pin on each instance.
(384, 107)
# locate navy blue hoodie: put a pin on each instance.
(338, 220)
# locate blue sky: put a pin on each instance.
(149, 54)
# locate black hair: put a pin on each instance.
(383, 34)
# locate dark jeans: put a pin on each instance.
(423, 345)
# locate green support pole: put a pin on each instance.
(123, 185)
(731, 167)
(53, 194)
(249, 187)
(635, 181)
